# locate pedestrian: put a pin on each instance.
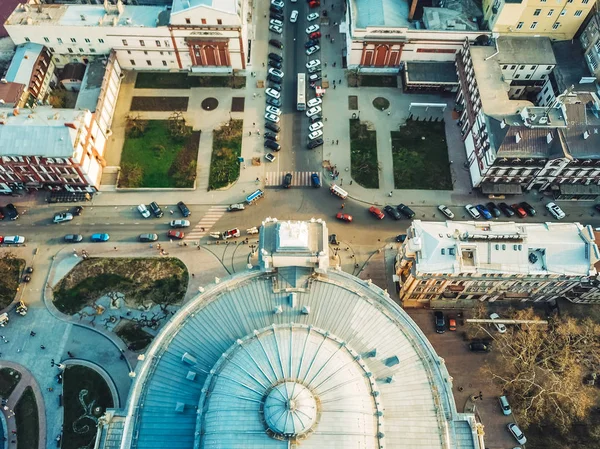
(389, 112)
(42, 347)
(325, 64)
(258, 132)
(171, 211)
(350, 182)
(257, 180)
(263, 64)
(332, 40)
(116, 248)
(334, 24)
(334, 86)
(198, 247)
(391, 193)
(343, 205)
(341, 182)
(253, 123)
(254, 95)
(332, 7)
(32, 333)
(340, 82)
(334, 82)
(201, 230)
(193, 275)
(334, 64)
(249, 133)
(70, 354)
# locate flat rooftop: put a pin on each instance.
(23, 63)
(229, 6)
(89, 15)
(524, 50)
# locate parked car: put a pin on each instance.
(179, 224)
(528, 208)
(287, 181)
(311, 43)
(400, 238)
(272, 127)
(100, 237)
(506, 210)
(278, 3)
(315, 134)
(473, 212)
(440, 322)
(156, 210)
(273, 101)
(315, 126)
(376, 212)
(294, 16)
(276, 22)
(276, 72)
(344, 217)
(274, 64)
(519, 211)
(148, 237)
(270, 157)
(314, 69)
(493, 209)
(313, 78)
(276, 29)
(315, 118)
(314, 144)
(480, 346)
(14, 240)
(276, 9)
(231, 233)
(275, 82)
(312, 29)
(77, 211)
(273, 110)
(271, 136)
(313, 111)
(276, 43)
(73, 238)
(236, 207)
(504, 405)
(309, 51)
(313, 63)
(276, 15)
(142, 209)
(555, 210)
(272, 92)
(500, 327)
(392, 212)
(315, 180)
(452, 324)
(405, 210)
(314, 102)
(1, 215)
(11, 211)
(62, 217)
(517, 433)
(173, 234)
(314, 4)
(272, 117)
(446, 211)
(312, 16)
(272, 145)
(315, 35)
(275, 57)
(483, 211)
(183, 209)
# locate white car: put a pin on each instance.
(278, 3)
(179, 223)
(276, 29)
(313, 111)
(276, 22)
(313, 63)
(312, 16)
(556, 211)
(272, 117)
(313, 49)
(314, 102)
(61, 218)
(294, 16)
(276, 72)
(273, 110)
(473, 212)
(499, 326)
(316, 69)
(270, 157)
(446, 211)
(517, 433)
(316, 134)
(293, 1)
(14, 240)
(142, 209)
(315, 126)
(312, 29)
(272, 93)
(314, 77)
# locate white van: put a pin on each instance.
(14, 240)
(338, 191)
(504, 405)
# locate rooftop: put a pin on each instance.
(571, 68)
(88, 95)
(582, 137)
(6, 8)
(229, 6)
(436, 72)
(493, 247)
(10, 94)
(23, 63)
(524, 50)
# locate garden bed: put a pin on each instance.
(363, 155)
(159, 104)
(9, 378)
(162, 80)
(133, 335)
(11, 269)
(227, 148)
(27, 420)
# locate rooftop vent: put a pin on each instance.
(451, 251)
(391, 361)
(543, 120)
(82, 17)
(277, 310)
(179, 407)
(191, 376)
(586, 134)
(188, 359)
(502, 124)
(305, 310)
(549, 137)
(518, 137)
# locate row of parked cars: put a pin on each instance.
(396, 212)
(103, 237)
(314, 108)
(275, 81)
(153, 209)
(490, 210)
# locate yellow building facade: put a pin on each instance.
(557, 19)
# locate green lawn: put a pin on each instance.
(363, 155)
(9, 378)
(162, 80)
(80, 421)
(155, 159)
(27, 421)
(227, 148)
(420, 154)
(11, 269)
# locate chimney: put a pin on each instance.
(120, 7)
(413, 7)
(502, 124)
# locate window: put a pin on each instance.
(563, 12)
(203, 21)
(512, 67)
(92, 50)
(161, 53)
(81, 50)
(128, 52)
(51, 50)
(87, 40)
(59, 40)
(522, 67)
(158, 43)
(148, 62)
(504, 67)
(219, 22)
(585, 2)
(550, 13)
(101, 41)
(57, 60)
(167, 44)
(124, 42)
(70, 50)
(532, 67)
(549, 67)
(520, 25)
(527, 77)
(188, 21)
(145, 52)
(555, 25)
(543, 76)
(537, 12)
(142, 43)
(132, 61)
(46, 39)
(533, 25)
(27, 39)
(165, 63)
(578, 12)
(517, 76)
(73, 40)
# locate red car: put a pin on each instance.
(344, 217)
(519, 210)
(376, 212)
(314, 3)
(173, 234)
(315, 35)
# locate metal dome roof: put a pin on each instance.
(290, 409)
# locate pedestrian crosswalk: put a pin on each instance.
(299, 178)
(209, 219)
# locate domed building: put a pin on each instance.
(291, 354)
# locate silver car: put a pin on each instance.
(179, 223)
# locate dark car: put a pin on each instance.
(597, 207)
(314, 144)
(400, 238)
(276, 43)
(316, 118)
(316, 181)
(405, 210)
(276, 15)
(392, 212)
(275, 64)
(483, 211)
(73, 238)
(275, 57)
(274, 79)
(440, 322)
(287, 181)
(272, 126)
(274, 101)
(493, 209)
(11, 211)
(276, 9)
(311, 43)
(275, 85)
(156, 210)
(1, 215)
(528, 208)
(271, 136)
(77, 211)
(183, 209)
(480, 346)
(506, 210)
(272, 145)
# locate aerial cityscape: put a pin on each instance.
(299, 223)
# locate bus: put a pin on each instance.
(301, 106)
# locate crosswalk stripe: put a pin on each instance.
(299, 178)
(209, 219)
